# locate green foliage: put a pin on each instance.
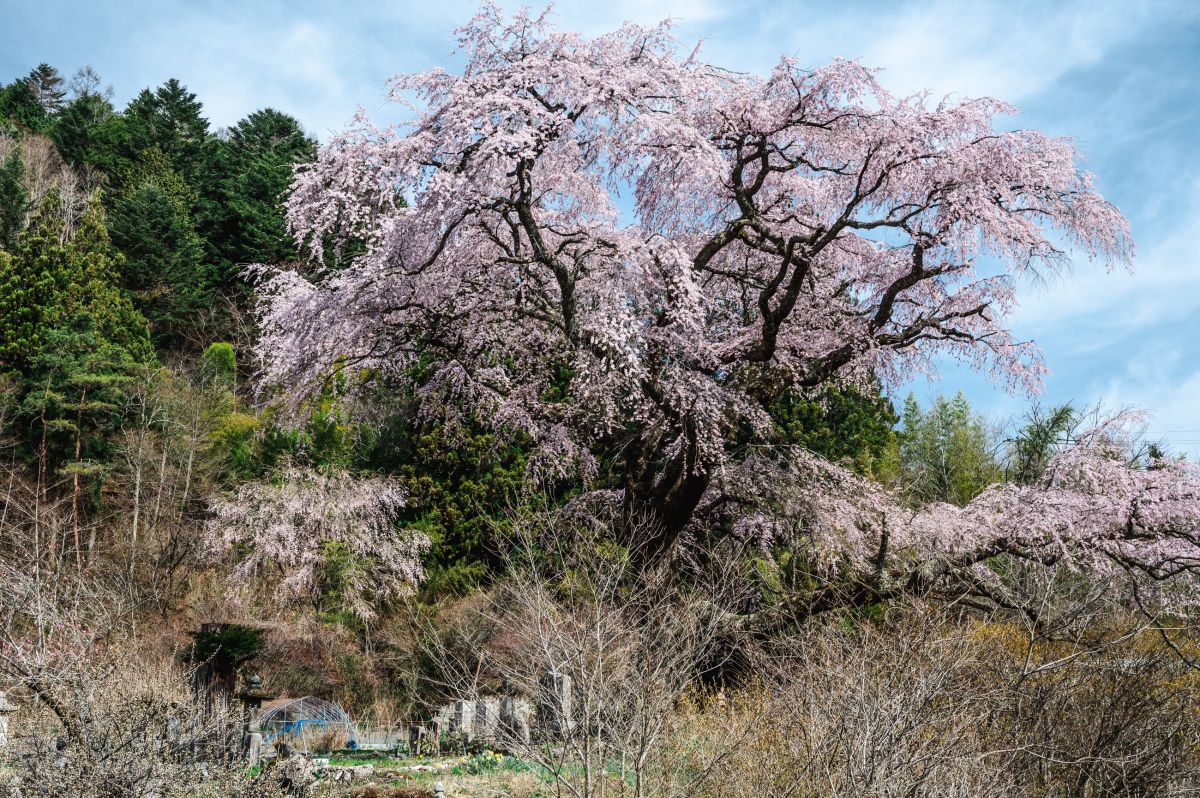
(20, 105)
(249, 445)
(47, 86)
(164, 266)
(1044, 431)
(229, 646)
(186, 208)
(946, 454)
(461, 484)
(75, 389)
(256, 163)
(843, 425)
(170, 120)
(235, 443)
(29, 301)
(14, 201)
(484, 762)
(35, 286)
(90, 134)
(51, 280)
(327, 438)
(218, 365)
(117, 321)
(73, 339)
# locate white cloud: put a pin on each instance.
(993, 49)
(1097, 309)
(1171, 395)
(1009, 50)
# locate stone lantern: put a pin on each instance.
(252, 697)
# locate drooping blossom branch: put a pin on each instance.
(1092, 513)
(787, 231)
(301, 521)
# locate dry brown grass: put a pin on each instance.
(376, 791)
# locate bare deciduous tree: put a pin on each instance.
(141, 732)
(605, 647)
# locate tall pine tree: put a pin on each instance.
(257, 161)
(90, 134)
(151, 223)
(14, 200)
(51, 279)
(20, 106)
(170, 120)
(47, 85)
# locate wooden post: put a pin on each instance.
(6, 709)
(214, 678)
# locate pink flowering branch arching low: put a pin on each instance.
(302, 521)
(787, 231)
(1090, 514)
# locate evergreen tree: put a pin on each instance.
(14, 200)
(461, 484)
(151, 223)
(47, 85)
(73, 337)
(51, 280)
(945, 452)
(843, 425)
(89, 133)
(169, 119)
(1044, 433)
(117, 320)
(74, 389)
(35, 283)
(19, 105)
(256, 165)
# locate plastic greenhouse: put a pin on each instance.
(307, 723)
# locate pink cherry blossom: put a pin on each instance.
(600, 240)
(1092, 512)
(284, 528)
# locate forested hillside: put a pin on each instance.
(419, 418)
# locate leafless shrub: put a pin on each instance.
(633, 642)
(45, 171)
(51, 625)
(100, 716)
(897, 710)
(161, 478)
(922, 703)
(1110, 713)
(136, 729)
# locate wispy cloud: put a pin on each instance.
(1167, 384)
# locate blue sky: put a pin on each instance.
(1123, 78)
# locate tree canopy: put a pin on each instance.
(794, 231)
